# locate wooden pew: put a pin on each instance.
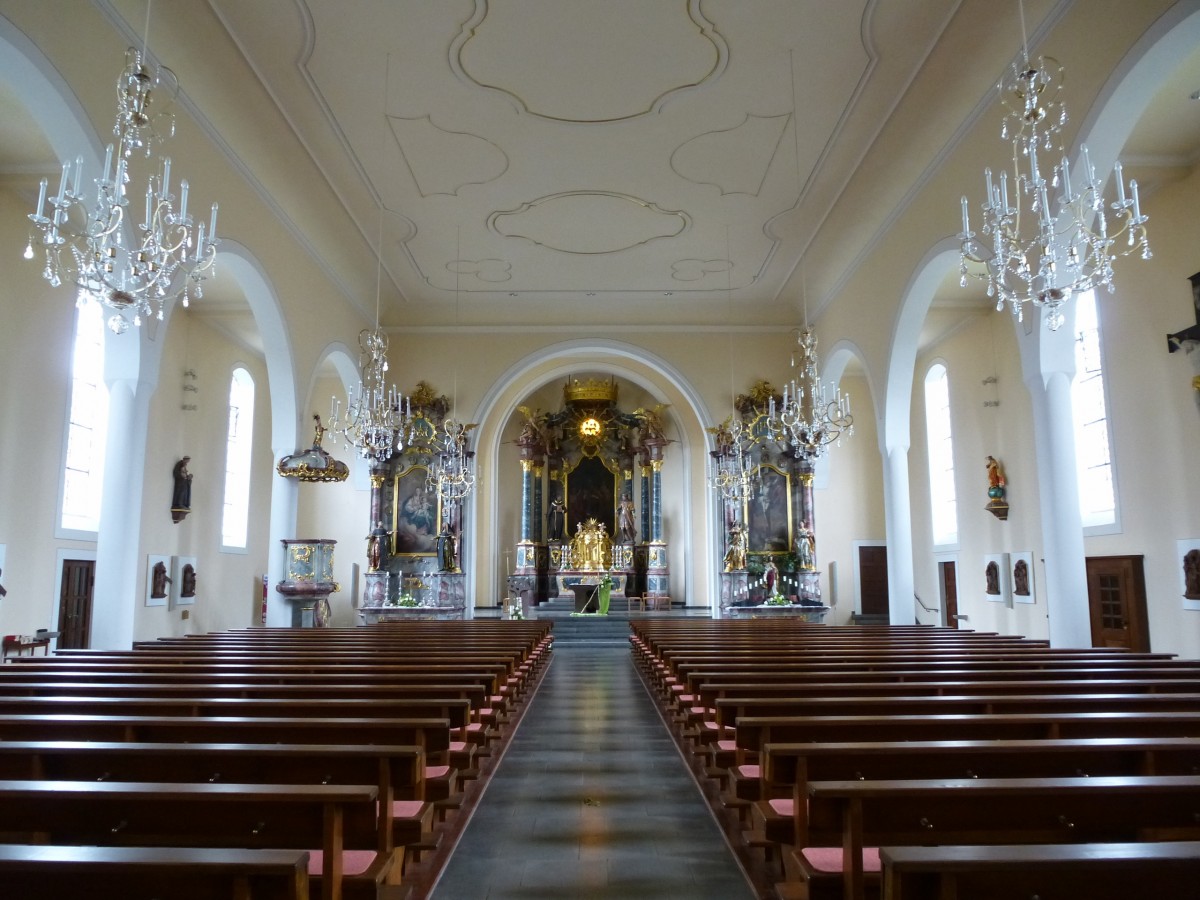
(36, 872)
(332, 818)
(851, 815)
(787, 769)
(1114, 871)
(398, 771)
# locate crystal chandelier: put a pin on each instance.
(732, 468)
(1069, 244)
(377, 417)
(133, 269)
(450, 473)
(806, 419)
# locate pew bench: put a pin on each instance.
(35, 872)
(1115, 871)
(335, 823)
(849, 820)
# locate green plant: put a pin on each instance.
(407, 600)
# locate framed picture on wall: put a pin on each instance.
(183, 581)
(996, 574)
(1022, 577)
(768, 512)
(158, 579)
(417, 514)
(1188, 560)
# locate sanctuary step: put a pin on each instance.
(591, 629)
(565, 605)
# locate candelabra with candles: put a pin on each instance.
(134, 270)
(450, 472)
(377, 418)
(1068, 251)
(805, 418)
(732, 468)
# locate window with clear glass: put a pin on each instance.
(238, 445)
(1097, 495)
(87, 423)
(940, 437)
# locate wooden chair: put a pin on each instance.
(638, 600)
(659, 602)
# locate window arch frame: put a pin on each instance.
(944, 541)
(82, 528)
(238, 482)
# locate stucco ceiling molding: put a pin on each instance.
(696, 269)
(589, 222)
(492, 271)
(674, 49)
(442, 161)
(734, 160)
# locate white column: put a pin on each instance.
(1048, 363)
(284, 494)
(897, 507)
(117, 591)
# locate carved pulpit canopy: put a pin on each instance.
(591, 548)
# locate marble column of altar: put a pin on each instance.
(805, 543)
(378, 578)
(526, 548)
(658, 581)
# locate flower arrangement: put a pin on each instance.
(778, 600)
(606, 581)
(514, 609)
(408, 601)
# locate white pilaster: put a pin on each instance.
(897, 506)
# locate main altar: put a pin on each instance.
(582, 512)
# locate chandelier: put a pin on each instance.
(1068, 244)
(133, 269)
(805, 418)
(732, 468)
(450, 472)
(377, 417)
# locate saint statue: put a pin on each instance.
(447, 545)
(804, 549)
(735, 553)
(626, 531)
(159, 580)
(188, 588)
(181, 493)
(558, 518)
(992, 576)
(995, 474)
(771, 578)
(1191, 575)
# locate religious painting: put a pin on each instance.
(768, 512)
(158, 579)
(417, 514)
(1022, 577)
(183, 581)
(1187, 559)
(997, 587)
(591, 494)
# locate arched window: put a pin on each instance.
(943, 502)
(238, 445)
(1097, 495)
(87, 424)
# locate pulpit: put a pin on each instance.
(309, 571)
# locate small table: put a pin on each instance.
(585, 594)
(17, 644)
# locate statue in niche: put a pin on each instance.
(181, 493)
(771, 577)
(159, 580)
(992, 576)
(1021, 578)
(1191, 575)
(188, 588)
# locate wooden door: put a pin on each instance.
(1117, 602)
(872, 579)
(949, 579)
(75, 604)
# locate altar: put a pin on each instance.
(584, 559)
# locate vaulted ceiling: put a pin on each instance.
(569, 161)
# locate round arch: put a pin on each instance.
(692, 553)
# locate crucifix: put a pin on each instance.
(1189, 338)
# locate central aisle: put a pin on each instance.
(592, 800)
